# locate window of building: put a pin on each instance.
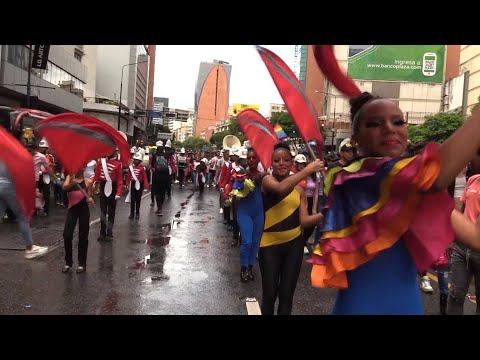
(78, 55)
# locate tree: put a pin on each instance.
(177, 144)
(195, 142)
(286, 122)
(436, 128)
(217, 138)
(163, 128)
(234, 129)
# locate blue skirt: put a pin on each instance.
(386, 285)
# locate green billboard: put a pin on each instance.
(416, 63)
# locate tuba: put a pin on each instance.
(231, 141)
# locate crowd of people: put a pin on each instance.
(364, 217)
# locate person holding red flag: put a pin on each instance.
(17, 189)
(7, 199)
(79, 192)
(110, 174)
(281, 245)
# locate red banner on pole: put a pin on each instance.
(260, 133)
(77, 139)
(291, 90)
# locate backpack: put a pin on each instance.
(161, 165)
(182, 162)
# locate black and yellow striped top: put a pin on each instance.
(282, 218)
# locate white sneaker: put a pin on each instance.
(36, 251)
(425, 285)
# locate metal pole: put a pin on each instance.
(28, 75)
(120, 100)
(334, 120)
(121, 86)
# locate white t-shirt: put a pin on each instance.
(89, 171)
(213, 163)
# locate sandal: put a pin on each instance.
(66, 269)
(80, 269)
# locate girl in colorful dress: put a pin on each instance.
(387, 214)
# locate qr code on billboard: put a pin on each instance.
(429, 64)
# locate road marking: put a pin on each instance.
(252, 306)
(472, 298)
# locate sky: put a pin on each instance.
(176, 72)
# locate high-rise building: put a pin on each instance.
(159, 104)
(152, 50)
(312, 78)
(170, 116)
(211, 95)
(121, 69)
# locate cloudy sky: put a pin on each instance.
(176, 72)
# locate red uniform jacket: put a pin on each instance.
(140, 173)
(224, 174)
(114, 169)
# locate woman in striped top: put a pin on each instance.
(281, 245)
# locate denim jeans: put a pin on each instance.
(8, 199)
(442, 275)
(464, 264)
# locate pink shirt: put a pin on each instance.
(38, 160)
(471, 198)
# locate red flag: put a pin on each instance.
(291, 90)
(19, 163)
(260, 133)
(77, 139)
(329, 66)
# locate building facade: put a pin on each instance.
(183, 130)
(413, 76)
(470, 65)
(121, 70)
(58, 88)
(221, 126)
(275, 108)
(159, 104)
(152, 51)
(312, 78)
(170, 116)
(211, 95)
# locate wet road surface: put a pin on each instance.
(179, 263)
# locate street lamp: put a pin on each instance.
(121, 86)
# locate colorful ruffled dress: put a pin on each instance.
(380, 229)
(242, 186)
